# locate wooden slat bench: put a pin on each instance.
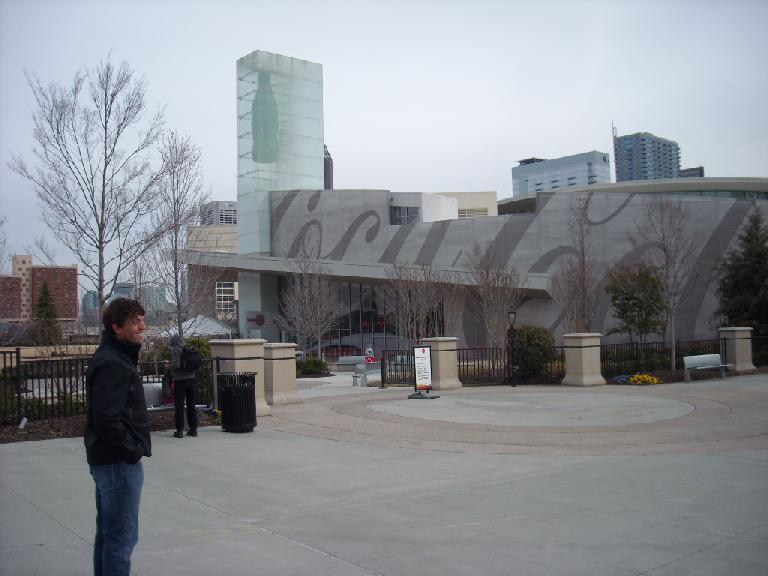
(703, 362)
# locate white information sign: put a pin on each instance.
(422, 356)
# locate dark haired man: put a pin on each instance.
(117, 436)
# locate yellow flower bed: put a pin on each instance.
(644, 379)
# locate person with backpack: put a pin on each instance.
(184, 362)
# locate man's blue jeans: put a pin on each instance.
(118, 491)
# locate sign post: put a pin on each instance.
(422, 360)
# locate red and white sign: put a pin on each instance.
(422, 356)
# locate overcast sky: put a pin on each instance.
(419, 95)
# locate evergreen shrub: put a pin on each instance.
(534, 350)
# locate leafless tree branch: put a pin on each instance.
(92, 171)
(574, 285)
(497, 289)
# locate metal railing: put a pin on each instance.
(634, 358)
(47, 388)
(397, 367)
(482, 366)
(10, 378)
(51, 388)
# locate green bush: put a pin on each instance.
(533, 350)
(311, 367)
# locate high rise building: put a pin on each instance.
(89, 308)
(534, 175)
(643, 156)
(218, 212)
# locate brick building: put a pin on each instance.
(10, 297)
(19, 292)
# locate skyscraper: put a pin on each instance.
(643, 156)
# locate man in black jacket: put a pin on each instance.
(183, 390)
(117, 436)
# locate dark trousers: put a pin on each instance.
(185, 391)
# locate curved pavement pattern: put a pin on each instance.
(703, 416)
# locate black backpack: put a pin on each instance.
(190, 360)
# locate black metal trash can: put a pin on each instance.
(237, 400)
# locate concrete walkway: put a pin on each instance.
(619, 480)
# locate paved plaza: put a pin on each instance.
(537, 480)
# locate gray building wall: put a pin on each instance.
(350, 234)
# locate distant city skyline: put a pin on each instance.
(435, 96)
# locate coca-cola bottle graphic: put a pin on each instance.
(264, 124)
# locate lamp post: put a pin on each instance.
(512, 315)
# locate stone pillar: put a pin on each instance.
(582, 360)
(445, 362)
(738, 348)
(241, 356)
(280, 374)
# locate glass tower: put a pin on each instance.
(279, 137)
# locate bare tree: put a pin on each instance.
(574, 285)
(178, 207)
(307, 308)
(665, 229)
(92, 173)
(497, 290)
(426, 300)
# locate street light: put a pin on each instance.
(512, 315)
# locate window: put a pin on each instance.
(226, 297)
(399, 215)
(473, 212)
(228, 216)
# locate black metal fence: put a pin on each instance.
(10, 407)
(397, 367)
(634, 358)
(482, 366)
(46, 388)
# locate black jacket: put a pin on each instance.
(176, 372)
(117, 424)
